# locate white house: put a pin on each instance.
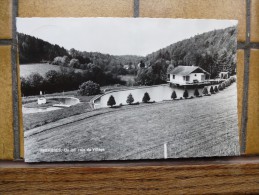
(187, 75)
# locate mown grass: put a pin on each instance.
(196, 127)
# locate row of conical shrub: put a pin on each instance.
(213, 89)
(145, 99)
(111, 102)
(205, 90)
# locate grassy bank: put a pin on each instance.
(194, 127)
(41, 118)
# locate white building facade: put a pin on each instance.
(183, 75)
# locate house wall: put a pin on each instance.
(179, 79)
(197, 77)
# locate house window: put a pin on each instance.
(173, 76)
(168, 76)
(195, 75)
(184, 78)
(187, 78)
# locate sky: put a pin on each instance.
(117, 36)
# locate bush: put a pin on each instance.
(223, 85)
(146, 98)
(185, 94)
(74, 63)
(89, 88)
(111, 102)
(174, 96)
(211, 90)
(233, 79)
(216, 89)
(227, 83)
(205, 91)
(220, 87)
(196, 92)
(130, 99)
(61, 61)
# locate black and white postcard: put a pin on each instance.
(128, 88)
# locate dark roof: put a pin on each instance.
(186, 70)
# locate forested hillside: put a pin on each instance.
(214, 51)
(34, 50)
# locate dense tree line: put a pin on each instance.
(65, 80)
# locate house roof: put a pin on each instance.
(186, 70)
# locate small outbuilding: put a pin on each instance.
(223, 75)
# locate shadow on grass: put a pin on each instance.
(149, 102)
(119, 106)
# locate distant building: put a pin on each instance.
(126, 67)
(187, 75)
(223, 75)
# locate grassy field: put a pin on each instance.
(41, 68)
(196, 127)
